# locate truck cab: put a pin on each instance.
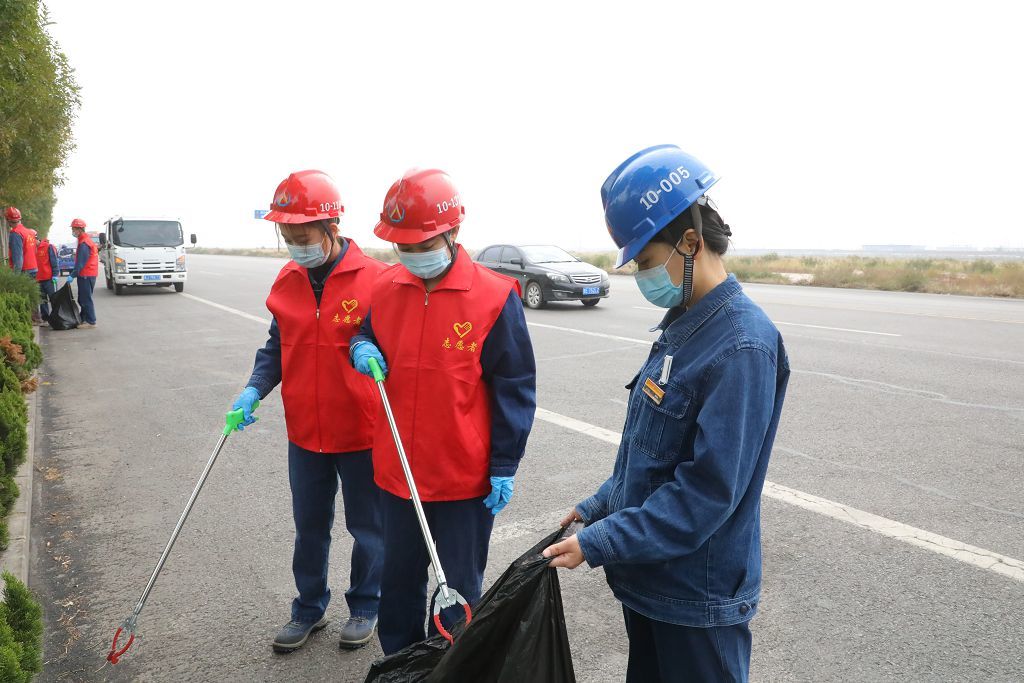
(143, 252)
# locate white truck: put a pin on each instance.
(139, 252)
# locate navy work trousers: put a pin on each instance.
(314, 481)
(660, 652)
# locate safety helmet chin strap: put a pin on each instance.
(698, 225)
(452, 248)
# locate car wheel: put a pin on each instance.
(118, 289)
(179, 286)
(534, 295)
(590, 302)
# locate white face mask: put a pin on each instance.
(426, 264)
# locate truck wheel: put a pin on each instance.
(179, 286)
(118, 289)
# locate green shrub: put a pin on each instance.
(9, 379)
(5, 539)
(13, 426)
(12, 283)
(22, 615)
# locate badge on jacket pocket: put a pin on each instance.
(654, 391)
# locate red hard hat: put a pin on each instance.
(13, 214)
(306, 196)
(78, 223)
(419, 206)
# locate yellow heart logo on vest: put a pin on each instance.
(350, 305)
(462, 329)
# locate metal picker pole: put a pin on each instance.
(435, 561)
(445, 595)
(234, 418)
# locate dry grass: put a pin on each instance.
(980, 277)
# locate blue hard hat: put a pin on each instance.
(647, 191)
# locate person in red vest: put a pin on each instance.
(85, 271)
(462, 380)
(46, 259)
(21, 244)
(319, 300)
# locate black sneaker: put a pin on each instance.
(293, 635)
(357, 632)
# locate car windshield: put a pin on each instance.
(149, 234)
(548, 254)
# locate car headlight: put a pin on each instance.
(559, 277)
(179, 264)
(119, 265)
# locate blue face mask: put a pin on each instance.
(308, 255)
(426, 264)
(657, 287)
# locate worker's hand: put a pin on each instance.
(501, 494)
(565, 553)
(573, 516)
(70, 278)
(55, 283)
(361, 355)
(246, 402)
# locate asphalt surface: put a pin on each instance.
(908, 406)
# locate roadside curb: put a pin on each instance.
(19, 522)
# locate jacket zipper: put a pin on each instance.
(416, 390)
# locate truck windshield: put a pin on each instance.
(149, 234)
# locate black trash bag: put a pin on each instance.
(64, 314)
(517, 634)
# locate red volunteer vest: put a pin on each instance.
(432, 344)
(43, 260)
(91, 268)
(328, 406)
(28, 248)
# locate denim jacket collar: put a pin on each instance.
(678, 327)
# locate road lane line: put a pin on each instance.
(948, 547)
(838, 329)
(228, 309)
(816, 327)
(601, 335)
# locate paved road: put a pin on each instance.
(909, 407)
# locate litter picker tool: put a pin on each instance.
(445, 596)
(127, 627)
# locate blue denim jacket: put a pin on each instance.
(677, 527)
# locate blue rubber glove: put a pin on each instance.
(55, 283)
(501, 494)
(361, 355)
(245, 402)
(70, 278)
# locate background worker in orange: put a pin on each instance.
(46, 276)
(85, 271)
(462, 382)
(319, 300)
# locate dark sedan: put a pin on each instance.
(547, 273)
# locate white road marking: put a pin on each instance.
(968, 554)
(601, 335)
(228, 309)
(816, 327)
(838, 329)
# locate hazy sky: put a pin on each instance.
(831, 125)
